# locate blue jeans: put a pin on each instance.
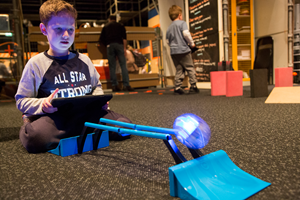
(117, 50)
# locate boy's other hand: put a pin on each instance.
(105, 107)
(47, 106)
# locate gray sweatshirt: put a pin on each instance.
(42, 74)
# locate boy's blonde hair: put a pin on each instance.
(52, 8)
(174, 11)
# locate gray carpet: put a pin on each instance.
(262, 139)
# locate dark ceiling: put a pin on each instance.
(89, 10)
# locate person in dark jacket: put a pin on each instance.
(113, 36)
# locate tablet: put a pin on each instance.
(81, 101)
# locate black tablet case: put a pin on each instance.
(81, 101)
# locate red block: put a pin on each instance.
(218, 83)
(284, 77)
(234, 83)
(103, 71)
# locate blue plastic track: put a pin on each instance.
(213, 176)
(69, 146)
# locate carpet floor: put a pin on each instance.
(261, 139)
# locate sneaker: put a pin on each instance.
(128, 88)
(116, 89)
(179, 91)
(194, 89)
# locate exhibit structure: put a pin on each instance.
(87, 40)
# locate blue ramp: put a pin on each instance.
(213, 176)
(69, 146)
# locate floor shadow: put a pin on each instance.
(9, 133)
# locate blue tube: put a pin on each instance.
(102, 127)
(118, 123)
(146, 134)
(129, 131)
(139, 127)
(156, 129)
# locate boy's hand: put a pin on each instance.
(47, 106)
(105, 107)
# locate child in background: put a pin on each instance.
(57, 72)
(179, 39)
(130, 61)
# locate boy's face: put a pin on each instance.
(60, 32)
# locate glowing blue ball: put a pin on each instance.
(192, 131)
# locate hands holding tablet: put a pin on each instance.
(51, 104)
(105, 107)
(47, 106)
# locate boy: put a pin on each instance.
(57, 72)
(179, 39)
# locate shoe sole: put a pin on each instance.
(176, 93)
(194, 92)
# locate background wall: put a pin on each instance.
(271, 19)
(220, 23)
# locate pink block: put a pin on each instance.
(218, 83)
(234, 83)
(284, 77)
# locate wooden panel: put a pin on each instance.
(143, 80)
(32, 29)
(136, 81)
(96, 51)
(88, 34)
(139, 36)
(133, 33)
(93, 34)
(42, 48)
(142, 29)
(80, 45)
(35, 34)
(142, 33)
(134, 77)
(284, 95)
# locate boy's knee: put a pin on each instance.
(27, 138)
(33, 141)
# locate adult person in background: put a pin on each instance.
(113, 36)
